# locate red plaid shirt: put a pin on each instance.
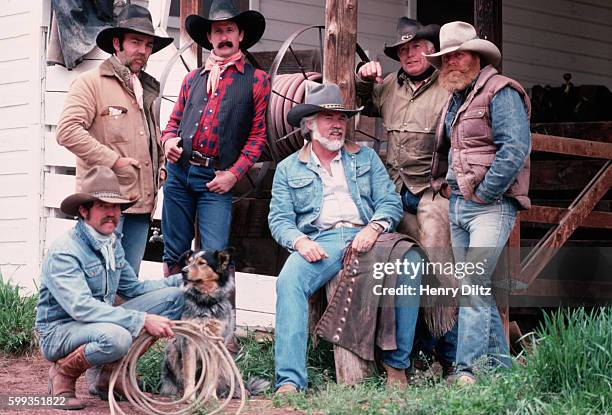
(206, 140)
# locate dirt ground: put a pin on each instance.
(28, 376)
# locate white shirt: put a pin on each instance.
(338, 205)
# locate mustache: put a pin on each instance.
(224, 43)
(107, 219)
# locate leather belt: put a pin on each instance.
(342, 224)
(198, 159)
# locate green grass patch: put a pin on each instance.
(149, 367)
(17, 317)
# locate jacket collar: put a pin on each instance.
(304, 155)
(111, 67)
(82, 232)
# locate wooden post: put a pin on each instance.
(194, 56)
(488, 21)
(339, 49)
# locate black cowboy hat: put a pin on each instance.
(408, 30)
(251, 22)
(132, 19)
(319, 98)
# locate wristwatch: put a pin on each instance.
(376, 226)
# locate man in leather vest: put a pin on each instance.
(482, 164)
(329, 195)
(216, 132)
(410, 102)
(108, 120)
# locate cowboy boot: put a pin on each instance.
(64, 374)
(120, 388)
(395, 377)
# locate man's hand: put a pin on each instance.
(223, 182)
(310, 250)
(365, 239)
(171, 149)
(126, 161)
(158, 326)
(371, 71)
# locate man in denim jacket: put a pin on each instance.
(482, 163)
(328, 195)
(81, 275)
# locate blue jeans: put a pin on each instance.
(443, 347)
(135, 229)
(479, 233)
(108, 342)
(185, 194)
(300, 279)
(410, 201)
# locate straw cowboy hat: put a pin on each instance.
(456, 36)
(251, 22)
(319, 98)
(131, 19)
(409, 30)
(99, 183)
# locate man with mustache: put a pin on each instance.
(482, 164)
(326, 196)
(216, 132)
(108, 120)
(410, 102)
(81, 275)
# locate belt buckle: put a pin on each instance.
(203, 160)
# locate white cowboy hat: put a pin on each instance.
(456, 36)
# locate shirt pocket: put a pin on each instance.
(115, 119)
(474, 124)
(96, 278)
(363, 180)
(302, 192)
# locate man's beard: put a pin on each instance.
(327, 143)
(454, 78)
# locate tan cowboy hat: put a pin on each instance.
(251, 22)
(99, 183)
(455, 36)
(319, 98)
(131, 19)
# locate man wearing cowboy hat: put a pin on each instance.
(216, 131)
(108, 120)
(481, 163)
(81, 275)
(410, 102)
(328, 194)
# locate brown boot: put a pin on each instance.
(395, 377)
(64, 374)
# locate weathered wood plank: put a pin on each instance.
(571, 146)
(57, 187)
(552, 215)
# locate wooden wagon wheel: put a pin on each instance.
(288, 90)
(254, 177)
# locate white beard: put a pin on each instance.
(330, 145)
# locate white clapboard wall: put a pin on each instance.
(255, 296)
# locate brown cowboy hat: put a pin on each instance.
(408, 30)
(132, 19)
(251, 22)
(99, 183)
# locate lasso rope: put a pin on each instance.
(216, 363)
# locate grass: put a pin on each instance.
(17, 317)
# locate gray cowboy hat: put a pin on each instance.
(319, 98)
(457, 36)
(99, 183)
(251, 22)
(131, 19)
(408, 30)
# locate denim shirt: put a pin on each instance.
(511, 136)
(297, 193)
(76, 286)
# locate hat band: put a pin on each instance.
(110, 194)
(332, 106)
(407, 37)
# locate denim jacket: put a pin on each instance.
(76, 285)
(297, 193)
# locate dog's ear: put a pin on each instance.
(224, 258)
(184, 259)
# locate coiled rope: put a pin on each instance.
(217, 363)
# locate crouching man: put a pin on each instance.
(83, 271)
(325, 197)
